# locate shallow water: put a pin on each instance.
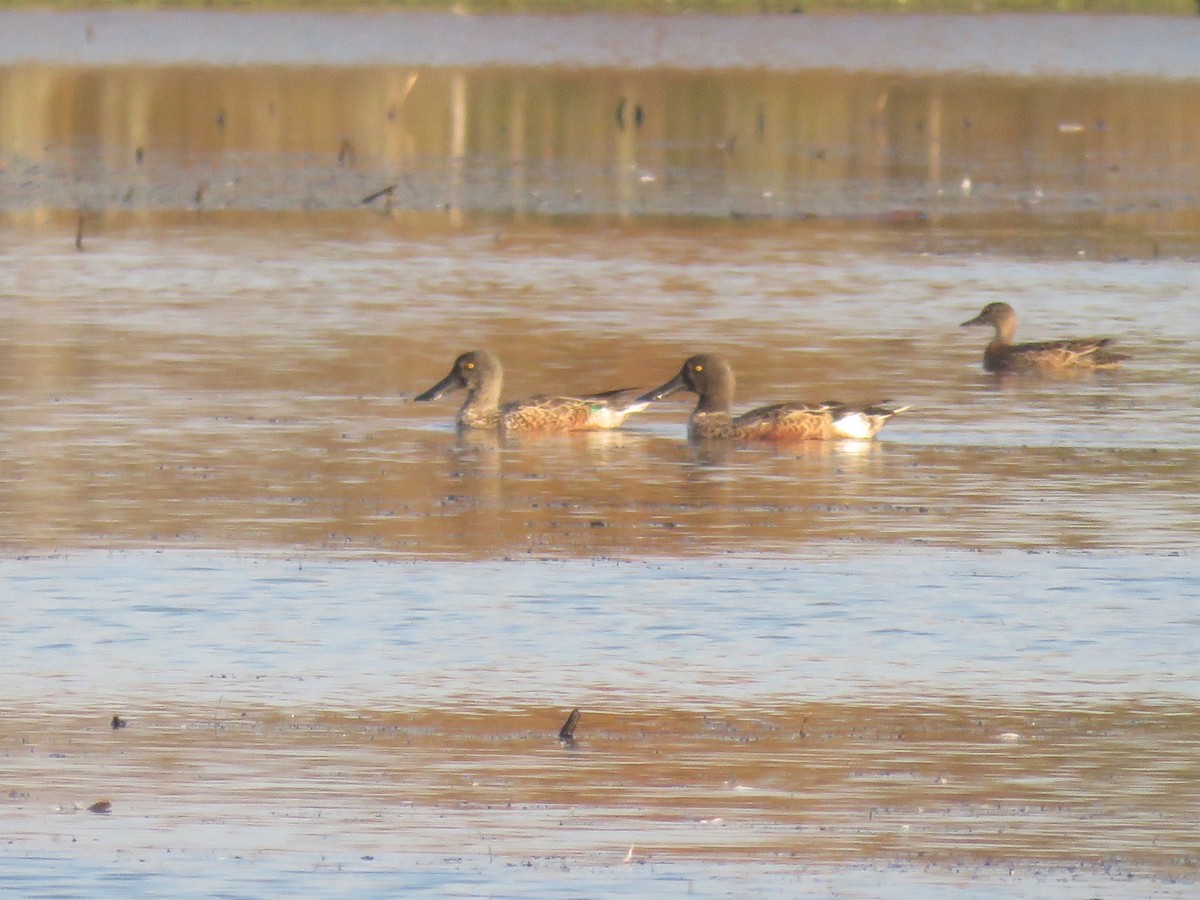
(956, 659)
(312, 721)
(178, 410)
(1010, 123)
(1012, 45)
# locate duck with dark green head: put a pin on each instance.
(480, 374)
(711, 379)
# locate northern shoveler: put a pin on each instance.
(711, 378)
(480, 373)
(1002, 356)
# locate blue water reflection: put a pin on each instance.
(134, 628)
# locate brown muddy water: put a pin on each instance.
(959, 660)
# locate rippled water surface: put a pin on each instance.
(342, 638)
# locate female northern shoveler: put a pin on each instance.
(480, 373)
(711, 378)
(1002, 356)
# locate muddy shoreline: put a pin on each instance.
(820, 784)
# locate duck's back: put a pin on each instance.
(785, 421)
(1051, 356)
(595, 412)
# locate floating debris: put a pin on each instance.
(639, 114)
(198, 197)
(566, 735)
(117, 722)
(101, 807)
(388, 192)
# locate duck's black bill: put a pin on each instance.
(978, 320)
(665, 390)
(450, 383)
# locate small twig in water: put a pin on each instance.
(566, 734)
(382, 192)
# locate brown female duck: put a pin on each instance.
(712, 379)
(481, 375)
(1002, 356)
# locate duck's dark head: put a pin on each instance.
(471, 371)
(705, 374)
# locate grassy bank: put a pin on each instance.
(1148, 7)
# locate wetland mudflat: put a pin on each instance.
(343, 638)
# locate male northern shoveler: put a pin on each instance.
(1002, 356)
(710, 377)
(480, 373)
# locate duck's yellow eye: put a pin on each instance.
(470, 365)
(697, 368)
